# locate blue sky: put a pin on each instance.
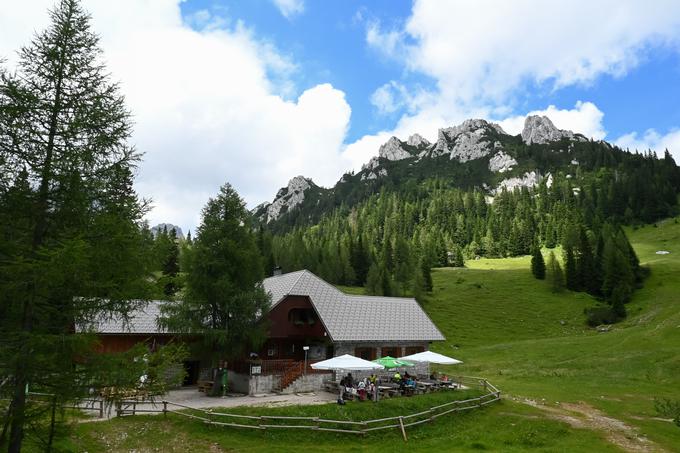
(327, 41)
(256, 92)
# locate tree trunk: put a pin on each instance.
(19, 405)
(42, 205)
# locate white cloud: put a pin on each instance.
(387, 43)
(208, 105)
(653, 140)
(585, 118)
(484, 55)
(290, 8)
(484, 50)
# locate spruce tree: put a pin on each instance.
(556, 274)
(586, 266)
(457, 259)
(171, 266)
(571, 273)
(537, 263)
(360, 261)
(223, 295)
(374, 281)
(77, 237)
(426, 273)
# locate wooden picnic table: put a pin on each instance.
(426, 386)
(388, 390)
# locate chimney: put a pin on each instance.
(277, 271)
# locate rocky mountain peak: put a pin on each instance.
(168, 227)
(417, 141)
(287, 198)
(539, 129)
(393, 150)
(467, 141)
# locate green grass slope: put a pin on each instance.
(510, 328)
(505, 426)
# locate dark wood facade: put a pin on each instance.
(124, 342)
(292, 324)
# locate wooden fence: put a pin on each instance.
(264, 422)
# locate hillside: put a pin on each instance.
(510, 331)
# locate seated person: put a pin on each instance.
(361, 390)
(373, 379)
(397, 377)
(410, 382)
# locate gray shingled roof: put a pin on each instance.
(356, 318)
(143, 320)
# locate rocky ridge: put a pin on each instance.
(501, 162)
(539, 129)
(168, 227)
(467, 141)
(471, 140)
(286, 199)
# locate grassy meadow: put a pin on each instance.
(568, 387)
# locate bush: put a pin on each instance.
(668, 408)
(601, 315)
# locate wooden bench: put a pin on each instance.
(205, 386)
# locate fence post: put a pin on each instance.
(403, 430)
(118, 408)
(101, 408)
(165, 409)
(134, 407)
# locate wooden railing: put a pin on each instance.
(363, 427)
(267, 366)
(291, 374)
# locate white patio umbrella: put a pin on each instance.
(346, 362)
(431, 357)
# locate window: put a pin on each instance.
(392, 351)
(365, 353)
(414, 350)
(302, 316)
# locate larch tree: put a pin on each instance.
(71, 247)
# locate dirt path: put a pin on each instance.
(584, 416)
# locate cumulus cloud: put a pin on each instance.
(585, 118)
(484, 50)
(484, 55)
(290, 8)
(653, 140)
(210, 106)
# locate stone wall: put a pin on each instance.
(309, 383)
(252, 385)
